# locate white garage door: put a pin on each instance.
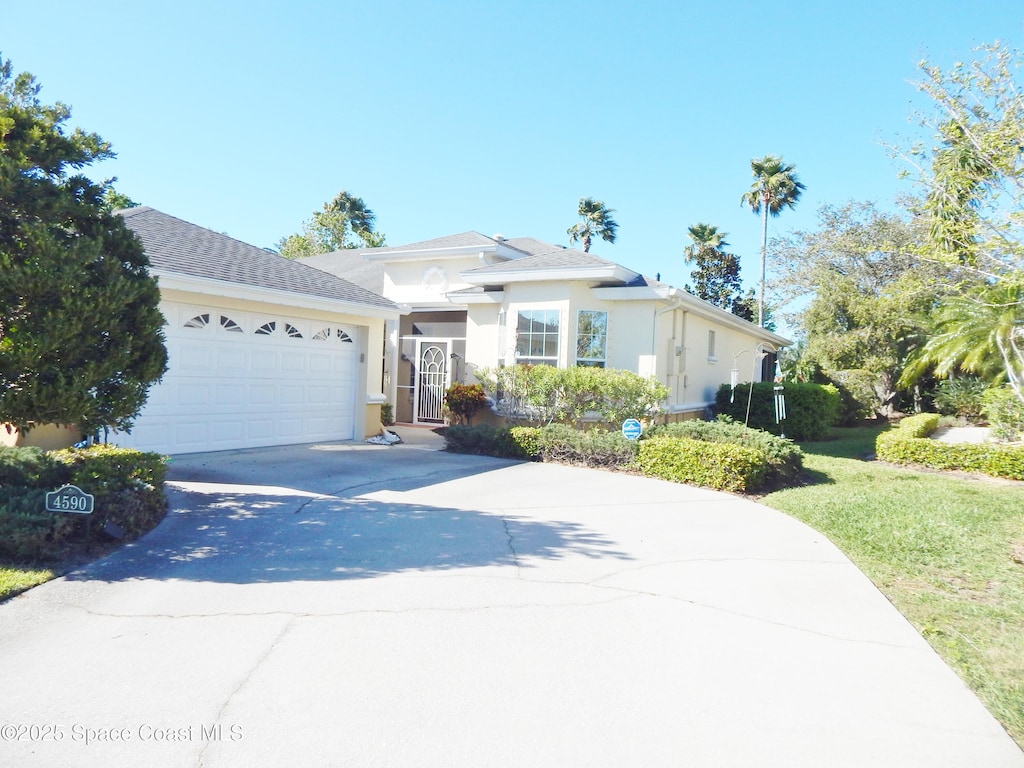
(238, 380)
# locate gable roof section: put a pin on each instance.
(550, 262)
(176, 246)
(350, 265)
(449, 246)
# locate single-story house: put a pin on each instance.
(262, 350)
(479, 301)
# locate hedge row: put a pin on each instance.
(127, 486)
(714, 465)
(909, 444)
(811, 409)
(727, 457)
(784, 459)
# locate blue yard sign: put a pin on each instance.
(632, 429)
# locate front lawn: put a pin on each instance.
(948, 551)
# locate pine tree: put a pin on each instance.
(80, 329)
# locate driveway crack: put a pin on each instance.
(244, 681)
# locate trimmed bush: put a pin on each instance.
(31, 467)
(909, 444)
(464, 400)
(591, 448)
(545, 394)
(722, 466)
(785, 459)
(127, 485)
(811, 409)
(1005, 414)
(486, 440)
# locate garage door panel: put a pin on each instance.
(242, 389)
(193, 393)
(198, 357)
(231, 360)
(293, 362)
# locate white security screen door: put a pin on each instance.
(431, 380)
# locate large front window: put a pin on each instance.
(591, 337)
(537, 337)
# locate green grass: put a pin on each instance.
(15, 579)
(944, 549)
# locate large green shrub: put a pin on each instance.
(960, 397)
(1005, 414)
(31, 467)
(545, 394)
(785, 459)
(487, 440)
(591, 448)
(127, 486)
(811, 409)
(909, 444)
(722, 466)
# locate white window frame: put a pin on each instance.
(545, 336)
(596, 362)
(712, 356)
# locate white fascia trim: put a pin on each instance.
(435, 307)
(494, 277)
(226, 289)
(636, 293)
(487, 297)
(458, 252)
(691, 303)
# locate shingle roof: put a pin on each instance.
(556, 258)
(174, 245)
(350, 265)
(438, 243)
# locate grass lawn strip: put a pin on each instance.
(945, 550)
(16, 579)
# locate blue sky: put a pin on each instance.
(451, 116)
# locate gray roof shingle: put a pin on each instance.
(174, 245)
(557, 258)
(350, 264)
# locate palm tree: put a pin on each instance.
(717, 276)
(775, 187)
(360, 219)
(595, 219)
(982, 333)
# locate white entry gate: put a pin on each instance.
(432, 379)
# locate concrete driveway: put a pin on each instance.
(354, 605)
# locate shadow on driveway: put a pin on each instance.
(257, 534)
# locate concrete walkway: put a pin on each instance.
(354, 605)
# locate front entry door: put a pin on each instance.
(431, 380)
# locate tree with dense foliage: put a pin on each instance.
(775, 187)
(981, 332)
(871, 292)
(595, 220)
(972, 177)
(81, 336)
(716, 276)
(344, 222)
(116, 201)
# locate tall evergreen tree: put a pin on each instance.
(80, 331)
(716, 276)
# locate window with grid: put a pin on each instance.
(591, 337)
(537, 337)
